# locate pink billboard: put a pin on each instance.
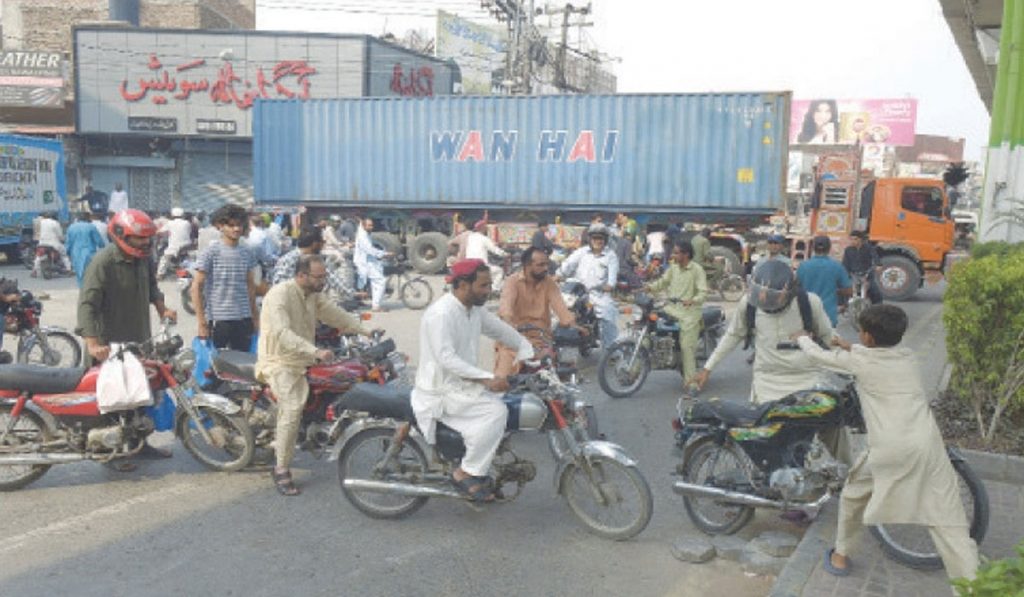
(851, 122)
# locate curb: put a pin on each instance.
(1004, 468)
(818, 537)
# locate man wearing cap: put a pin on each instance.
(861, 259)
(480, 246)
(450, 388)
(824, 277)
(597, 267)
(776, 245)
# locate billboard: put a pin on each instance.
(479, 51)
(202, 83)
(31, 79)
(31, 180)
(853, 122)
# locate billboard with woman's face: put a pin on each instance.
(851, 122)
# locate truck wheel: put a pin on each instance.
(727, 258)
(899, 279)
(387, 241)
(429, 252)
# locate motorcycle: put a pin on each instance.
(51, 416)
(653, 343)
(736, 457)
(40, 344)
(577, 299)
(51, 263)
(860, 300)
(233, 375)
(385, 472)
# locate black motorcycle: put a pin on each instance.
(737, 456)
(653, 343)
(577, 299)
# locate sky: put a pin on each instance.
(816, 48)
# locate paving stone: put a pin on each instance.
(696, 550)
(729, 547)
(756, 561)
(776, 543)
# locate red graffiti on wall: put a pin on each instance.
(418, 82)
(288, 78)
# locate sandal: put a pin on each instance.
(284, 484)
(831, 568)
(477, 489)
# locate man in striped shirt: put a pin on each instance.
(224, 289)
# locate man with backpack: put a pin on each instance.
(774, 309)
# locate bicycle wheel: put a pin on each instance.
(416, 294)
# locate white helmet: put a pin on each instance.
(177, 212)
(598, 229)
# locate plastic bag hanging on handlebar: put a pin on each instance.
(205, 351)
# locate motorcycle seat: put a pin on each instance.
(388, 400)
(712, 315)
(235, 363)
(40, 379)
(733, 414)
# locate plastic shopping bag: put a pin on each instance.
(205, 351)
(254, 345)
(122, 383)
(163, 413)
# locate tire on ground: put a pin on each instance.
(387, 241)
(428, 252)
(728, 257)
(899, 279)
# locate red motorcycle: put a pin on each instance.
(51, 262)
(45, 345)
(233, 375)
(50, 415)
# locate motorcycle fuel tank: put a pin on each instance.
(526, 412)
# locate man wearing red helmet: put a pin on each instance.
(118, 287)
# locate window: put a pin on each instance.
(922, 200)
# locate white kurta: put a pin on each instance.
(777, 373)
(51, 234)
(913, 480)
(447, 380)
(595, 271)
(118, 201)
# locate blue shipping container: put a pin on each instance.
(718, 152)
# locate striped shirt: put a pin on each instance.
(226, 294)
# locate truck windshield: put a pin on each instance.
(922, 200)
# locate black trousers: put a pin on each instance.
(235, 334)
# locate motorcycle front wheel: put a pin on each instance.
(854, 308)
(416, 294)
(28, 430)
(732, 287)
(724, 467)
(365, 457)
(231, 444)
(614, 373)
(53, 349)
(186, 300)
(612, 500)
(912, 545)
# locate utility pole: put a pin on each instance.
(567, 11)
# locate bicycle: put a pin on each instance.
(414, 291)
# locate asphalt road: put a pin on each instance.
(173, 528)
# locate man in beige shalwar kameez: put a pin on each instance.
(905, 476)
(286, 349)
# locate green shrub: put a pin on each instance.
(999, 248)
(996, 578)
(984, 315)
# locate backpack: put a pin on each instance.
(803, 303)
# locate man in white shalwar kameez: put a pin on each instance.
(368, 264)
(905, 476)
(597, 268)
(450, 388)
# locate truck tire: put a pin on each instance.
(387, 241)
(728, 258)
(429, 252)
(899, 279)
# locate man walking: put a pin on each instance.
(286, 349)
(823, 276)
(83, 242)
(685, 283)
(118, 199)
(861, 259)
(224, 289)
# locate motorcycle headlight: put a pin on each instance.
(184, 361)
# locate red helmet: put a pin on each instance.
(131, 222)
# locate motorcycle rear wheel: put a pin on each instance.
(854, 308)
(232, 433)
(614, 519)
(186, 300)
(363, 458)
(612, 375)
(61, 350)
(709, 515)
(29, 429)
(912, 546)
(416, 294)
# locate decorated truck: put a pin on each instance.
(31, 183)
(417, 165)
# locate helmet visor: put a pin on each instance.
(770, 300)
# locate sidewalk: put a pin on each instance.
(875, 575)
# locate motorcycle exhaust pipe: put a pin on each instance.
(34, 459)
(745, 499)
(401, 489)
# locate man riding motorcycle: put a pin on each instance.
(597, 267)
(179, 237)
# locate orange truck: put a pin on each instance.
(909, 220)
